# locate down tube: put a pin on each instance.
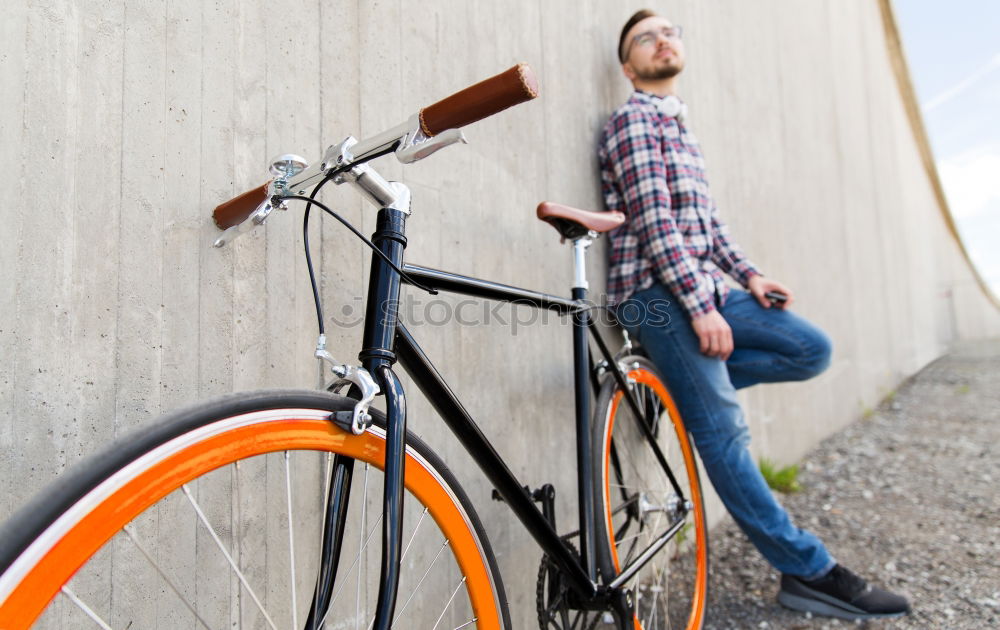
(430, 382)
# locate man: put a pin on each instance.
(675, 248)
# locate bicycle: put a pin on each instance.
(169, 506)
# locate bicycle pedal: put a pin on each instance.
(546, 495)
(543, 494)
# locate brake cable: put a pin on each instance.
(310, 201)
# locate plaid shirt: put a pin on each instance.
(653, 171)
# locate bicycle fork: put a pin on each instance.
(377, 357)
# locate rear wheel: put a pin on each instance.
(637, 505)
(213, 519)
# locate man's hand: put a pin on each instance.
(759, 285)
(715, 335)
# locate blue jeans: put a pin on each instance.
(771, 345)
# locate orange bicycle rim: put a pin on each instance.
(698, 601)
(72, 549)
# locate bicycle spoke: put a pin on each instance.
(653, 535)
(448, 605)
(85, 608)
(364, 524)
(654, 407)
(414, 534)
(655, 586)
(291, 540)
(417, 587)
(656, 526)
(238, 528)
(619, 485)
(652, 610)
(371, 534)
(642, 478)
(128, 531)
(631, 427)
(624, 540)
(218, 542)
(650, 533)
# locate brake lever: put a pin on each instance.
(293, 174)
(420, 146)
(256, 218)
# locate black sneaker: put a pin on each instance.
(842, 594)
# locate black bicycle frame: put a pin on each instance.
(387, 340)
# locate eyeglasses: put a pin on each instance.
(648, 38)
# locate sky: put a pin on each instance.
(953, 51)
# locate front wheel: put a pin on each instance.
(213, 519)
(638, 506)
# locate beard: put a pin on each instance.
(653, 72)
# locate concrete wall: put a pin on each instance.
(122, 125)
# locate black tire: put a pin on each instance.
(229, 447)
(636, 503)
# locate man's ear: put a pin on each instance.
(628, 71)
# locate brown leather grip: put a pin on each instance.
(234, 211)
(478, 101)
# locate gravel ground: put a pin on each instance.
(907, 498)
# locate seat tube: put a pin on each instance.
(581, 379)
(377, 357)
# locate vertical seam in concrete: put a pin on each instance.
(72, 222)
(201, 192)
(783, 120)
(163, 219)
(268, 338)
(118, 276)
(121, 197)
(545, 119)
(841, 176)
(235, 613)
(234, 144)
(400, 58)
(164, 227)
(18, 347)
(321, 258)
(360, 250)
(879, 217)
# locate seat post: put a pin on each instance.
(582, 395)
(580, 246)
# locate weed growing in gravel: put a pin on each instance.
(783, 480)
(680, 538)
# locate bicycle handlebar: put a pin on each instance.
(513, 87)
(237, 209)
(476, 102)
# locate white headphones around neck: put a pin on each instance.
(671, 106)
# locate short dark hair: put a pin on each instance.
(637, 17)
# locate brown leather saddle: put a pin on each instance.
(572, 223)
